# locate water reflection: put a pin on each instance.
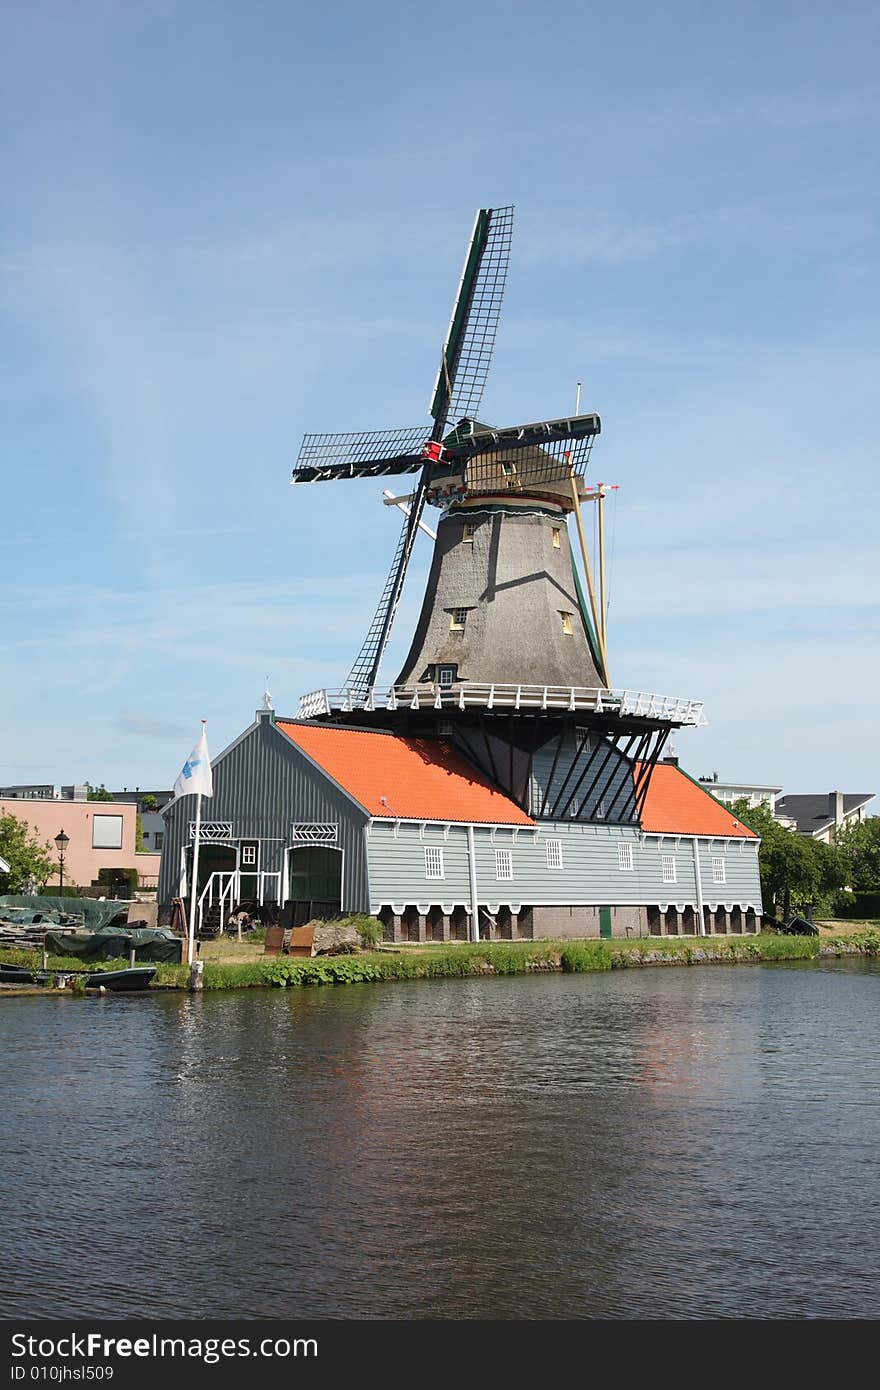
(659, 1143)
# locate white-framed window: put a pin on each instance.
(668, 868)
(574, 807)
(446, 677)
(554, 854)
(556, 540)
(107, 832)
(719, 871)
(249, 855)
(600, 809)
(468, 532)
(433, 862)
(457, 619)
(625, 856)
(503, 863)
(567, 626)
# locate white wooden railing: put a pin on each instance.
(223, 890)
(467, 694)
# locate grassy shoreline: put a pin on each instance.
(463, 960)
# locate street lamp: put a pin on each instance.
(62, 841)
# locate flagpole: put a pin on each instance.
(190, 950)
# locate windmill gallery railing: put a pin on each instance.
(473, 695)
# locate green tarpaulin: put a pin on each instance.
(149, 944)
(94, 914)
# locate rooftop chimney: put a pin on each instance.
(835, 807)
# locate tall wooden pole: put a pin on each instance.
(603, 601)
(600, 637)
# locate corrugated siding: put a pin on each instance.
(262, 785)
(591, 873)
(562, 779)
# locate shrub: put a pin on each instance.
(585, 955)
(369, 929)
(118, 878)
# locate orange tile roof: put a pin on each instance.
(420, 778)
(676, 805)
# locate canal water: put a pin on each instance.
(674, 1143)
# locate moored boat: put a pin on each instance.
(133, 978)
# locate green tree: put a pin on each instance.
(795, 870)
(859, 847)
(28, 858)
(138, 832)
(97, 793)
(149, 803)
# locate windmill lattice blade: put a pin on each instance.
(364, 672)
(468, 438)
(363, 454)
(471, 339)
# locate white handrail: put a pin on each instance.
(639, 703)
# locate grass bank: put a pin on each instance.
(461, 960)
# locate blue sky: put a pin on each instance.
(226, 224)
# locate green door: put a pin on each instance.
(315, 874)
(604, 921)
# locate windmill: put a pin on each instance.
(461, 464)
(508, 659)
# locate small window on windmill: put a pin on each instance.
(509, 471)
(567, 626)
(600, 809)
(447, 677)
(468, 532)
(556, 541)
(457, 619)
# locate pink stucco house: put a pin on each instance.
(101, 836)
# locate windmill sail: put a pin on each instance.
(467, 352)
(366, 667)
(363, 454)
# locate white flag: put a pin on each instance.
(195, 775)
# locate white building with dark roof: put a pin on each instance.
(821, 814)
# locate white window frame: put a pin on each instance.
(106, 840)
(668, 868)
(719, 869)
(504, 863)
(434, 867)
(446, 677)
(458, 619)
(553, 854)
(249, 856)
(600, 808)
(625, 858)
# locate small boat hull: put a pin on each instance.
(16, 975)
(136, 978)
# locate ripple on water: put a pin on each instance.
(667, 1143)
